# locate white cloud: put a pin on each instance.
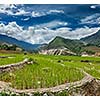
(5, 6)
(43, 35)
(52, 24)
(55, 11)
(83, 32)
(12, 6)
(93, 19)
(75, 34)
(46, 35)
(21, 12)
(16, 31)
(93, 7)
(8, 9)
(26, 19)
(39, 14)
(12, 29)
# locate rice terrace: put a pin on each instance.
(47, 70)
(49, 50)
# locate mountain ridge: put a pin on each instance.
(26, 46)
(92, 39)
(76, 46)
(60, 42)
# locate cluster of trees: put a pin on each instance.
(7, 47)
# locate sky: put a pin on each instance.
(38, 23)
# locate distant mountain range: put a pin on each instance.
(76, 46)
(89, 44)
(26, 46)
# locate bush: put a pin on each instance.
(30, 59)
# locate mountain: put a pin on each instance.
(59, 42)
(26, 46)
(93, 39)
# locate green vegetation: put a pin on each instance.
(72, 45)
(91, 49)
(49, 71)
(7, 47)
(61, 93)
(90, 44)
(12, 58)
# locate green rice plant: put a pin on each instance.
(48, 71)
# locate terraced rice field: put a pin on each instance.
(10, 58)
(49, 71)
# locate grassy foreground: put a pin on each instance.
(49, 71)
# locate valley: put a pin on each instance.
(50, 50)
(50, 68)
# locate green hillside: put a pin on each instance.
(59, 42)
(93, 39)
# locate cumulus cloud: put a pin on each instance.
(21, 12)
(46, 35)
(5, 6)
(12, 29)
(75, 34)
(16, 31)
(43, 35)
(9, 9)
(12, 9)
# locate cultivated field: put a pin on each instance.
(48, 71)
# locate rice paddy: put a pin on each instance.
(48, 70)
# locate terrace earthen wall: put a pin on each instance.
(10, 67)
